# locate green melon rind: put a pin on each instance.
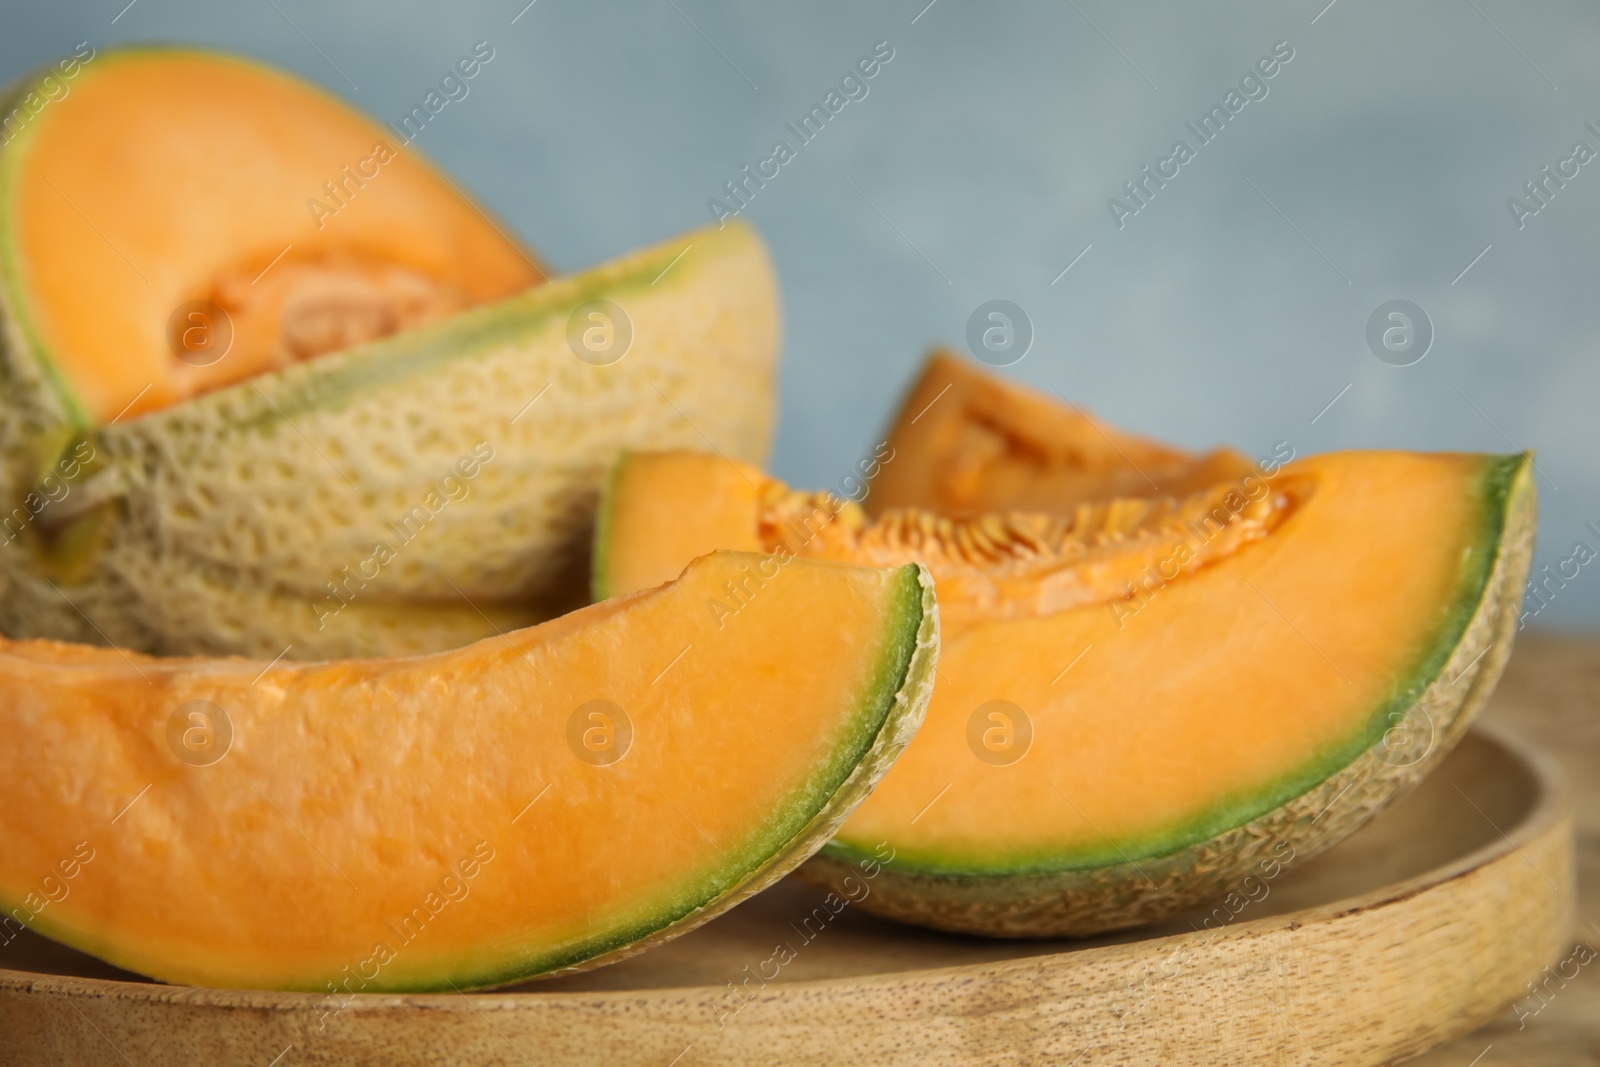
(1452, 678)
(892, 709)
(26, 340)
(604, 520)
(40, 409)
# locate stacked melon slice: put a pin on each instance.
(1141, 695)
(236, 424)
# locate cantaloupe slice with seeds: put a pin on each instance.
(393, 366)
(1138, 704)
(549, 800)
(967, 442)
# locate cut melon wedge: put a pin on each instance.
(1139, 705)
(967, 442)
(418, 491)
(152, 177)
(547, 801)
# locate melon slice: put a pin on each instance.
(966, 442)
(1141, 703)
(161, 176)
(400, 448)
(547, 801)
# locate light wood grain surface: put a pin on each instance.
(1550, 695)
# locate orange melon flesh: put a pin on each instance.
(427, 822)
(1175, 707)
(966, 442)
(662, 509)
(165, 176)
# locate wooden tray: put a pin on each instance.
(1420, 927)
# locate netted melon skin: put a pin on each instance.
(1083, 903)
(249, 520)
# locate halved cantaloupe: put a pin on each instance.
(967, 443)
(401, 446)
(1139, 703)
(547, 801)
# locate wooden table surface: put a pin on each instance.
(1550, 695)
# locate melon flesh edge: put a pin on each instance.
(437, 806)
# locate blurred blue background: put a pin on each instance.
(1232, 307)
